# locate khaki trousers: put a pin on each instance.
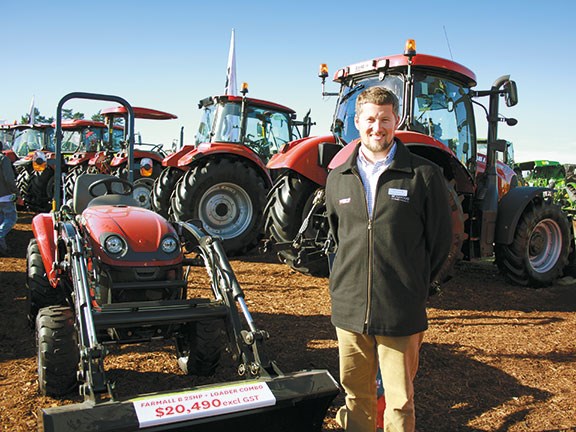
(360, 357)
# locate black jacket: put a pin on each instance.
(383, 267)
(7, 180)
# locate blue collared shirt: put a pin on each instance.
(370, 173)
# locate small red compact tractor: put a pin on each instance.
(102, 270)
(529, 236)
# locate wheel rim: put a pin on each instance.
(226, 210)
(545, 245)
(141, 194)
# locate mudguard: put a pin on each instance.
(79, 158)
(303, 157)
(172, 159)
(223, 149)
(122, 157)
(43, 229)
(510, 208)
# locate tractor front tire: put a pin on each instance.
(58, 353)
(459, 218)
(162, 191)
(199, 348)
(539, 252)
(288, 204)
(228, 197)
(40, 292)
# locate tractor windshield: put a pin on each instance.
(343, 125)
(29, 140)
(266, 129)
(443, 110)
(87, 139)
(6, 139)
(205, 128)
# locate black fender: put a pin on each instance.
(511, 207)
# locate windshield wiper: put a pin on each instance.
(351, 92)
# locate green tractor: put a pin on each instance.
(559, 177)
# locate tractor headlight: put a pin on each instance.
(39, 161)
(169, 244)
(114, 244)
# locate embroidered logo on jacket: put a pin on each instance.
(399, 195)
(344, 201)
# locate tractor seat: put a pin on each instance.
(82, 198)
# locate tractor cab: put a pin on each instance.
(87, 136)
(260, 125)
(27, 139)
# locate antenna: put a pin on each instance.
(448, 42)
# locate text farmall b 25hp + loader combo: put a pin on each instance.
(529, 235)
(103, 270)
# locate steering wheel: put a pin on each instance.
(127, 187)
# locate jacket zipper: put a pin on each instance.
(370, 271)
(370, 252)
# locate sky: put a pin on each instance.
(169, 54)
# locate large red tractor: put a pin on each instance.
(222, 179)
(529, 235)
(104, 271)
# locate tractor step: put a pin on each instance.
(292, 402)
(157, 312)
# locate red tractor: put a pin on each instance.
(33, 148)
(222, 180)
(104, 271)
(148, 157)
(529, 235)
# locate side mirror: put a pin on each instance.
(511, 93)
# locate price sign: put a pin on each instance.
(175, 407)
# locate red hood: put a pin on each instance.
(143, 231)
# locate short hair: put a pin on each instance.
(378, 96)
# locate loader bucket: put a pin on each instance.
(291, 402)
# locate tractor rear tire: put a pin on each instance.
(288, 205)
(23, 183)
(164, 185)
(199, 348)
(36, 188)
(40, 293)
(455, 254)
(539, 252)
(228, 197)
(72, 178)
(58, 353)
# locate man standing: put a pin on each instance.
(8, 194)
(390, 217)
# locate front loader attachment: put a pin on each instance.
(292, 402)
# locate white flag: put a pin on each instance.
(231, 88)
(32, 115)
